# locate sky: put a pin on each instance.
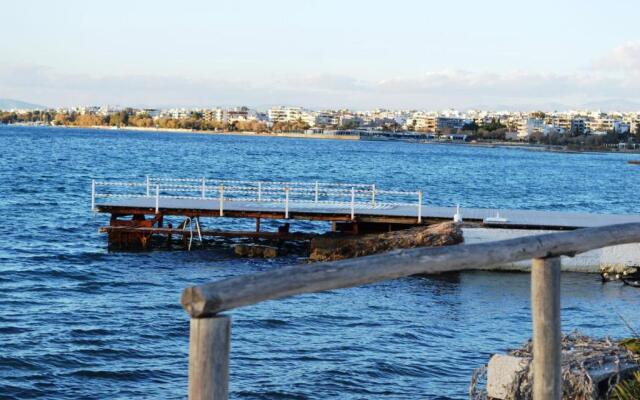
(322, 54)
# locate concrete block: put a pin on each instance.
(501, 374)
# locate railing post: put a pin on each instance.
(420, 207)
(317, 192)
(204, 187)
(545, 312)
(353, 203)
(157, 199)
(148, 186)
(259, 191)
(286, 203)
(93, 195)
(221, 190)
(209, 347)
(373, 195)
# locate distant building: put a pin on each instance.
(422, 122)
(176, 113)
(215, 115)
(238, 114)
(328, 118)
(601, 123)
(578, 126)
(452, 123)
(621, 127)
(530, 126)
(284, 114)
(511, 136)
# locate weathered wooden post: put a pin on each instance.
(545, 312)
(209, 346)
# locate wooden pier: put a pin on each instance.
(138, 209)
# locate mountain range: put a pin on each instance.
(10, 104)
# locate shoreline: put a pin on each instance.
(297, 135)
(212, 133)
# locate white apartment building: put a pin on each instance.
(309, 118)
(328, 118)
(215, 115)
(176, 113)
(530, 126)
(228, 115)
(284, 114)
(423, 122)
(238, 114)
(601, 124)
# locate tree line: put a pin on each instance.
(129, 118)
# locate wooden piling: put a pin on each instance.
(545, 310)
(209, 345)
(169, 235)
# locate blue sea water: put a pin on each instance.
(77, 322)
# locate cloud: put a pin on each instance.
(516, 84)
(616, 75)
(623, 58)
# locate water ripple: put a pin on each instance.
(78, 322)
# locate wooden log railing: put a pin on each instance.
(210, 331)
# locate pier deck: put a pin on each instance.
(384, 213)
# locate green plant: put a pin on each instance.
(629, 389)
(633, 345)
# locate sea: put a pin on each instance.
(80, 322)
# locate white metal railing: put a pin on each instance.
(351, 196)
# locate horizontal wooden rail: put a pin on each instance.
(209, 299)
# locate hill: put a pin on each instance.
(10, 104)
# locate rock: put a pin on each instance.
(326, 248)
(269, 252)
(255, 250)
(502, 372)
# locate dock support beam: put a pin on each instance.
(209, 346)
(545, 310)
